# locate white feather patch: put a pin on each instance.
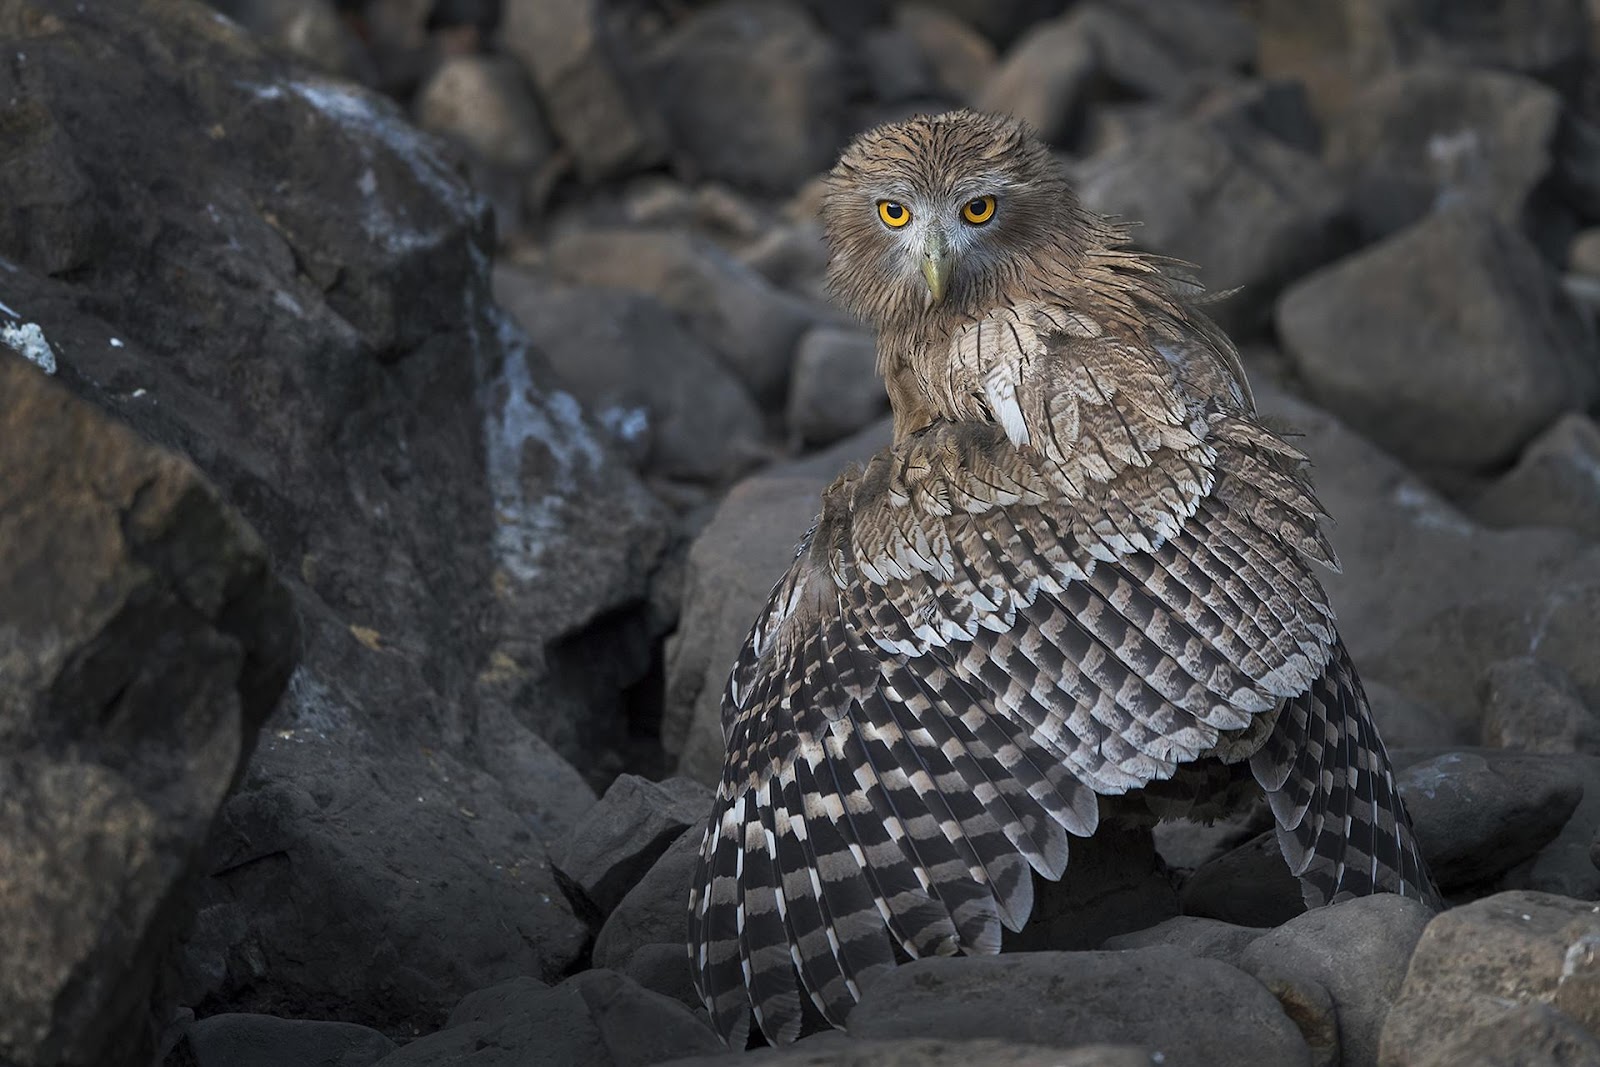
(1000, 388)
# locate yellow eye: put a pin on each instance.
(893, 214)
(979, 210)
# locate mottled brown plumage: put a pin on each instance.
(1083, 568)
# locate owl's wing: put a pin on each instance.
(975, 641)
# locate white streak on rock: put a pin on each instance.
(28, 341)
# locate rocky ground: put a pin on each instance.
(405, 406)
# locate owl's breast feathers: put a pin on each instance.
(1084, 575)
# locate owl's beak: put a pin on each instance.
(936, 263)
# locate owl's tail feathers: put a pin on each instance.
(1341, 824)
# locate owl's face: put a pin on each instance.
(944, 212)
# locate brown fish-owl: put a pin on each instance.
(1083, 568)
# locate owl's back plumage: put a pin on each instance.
(1082, 566)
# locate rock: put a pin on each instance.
(959, 59)
(1211, 939)
(590, 93)
(834, 389)
(620, 839)
(660, 391)
(1190, 1011)
(812, 1052)
(1426, 597)
(497, 1001)
(483, 103)
(1532, 1034)
(1203, 33)
(1463, 349)
(752, 326)
(664, 968)
(1556, 481)
(1565, 865)
(1001, 21)
(895, 68)
(1249, 885)
(1274, 106)
(656, 910)
(307, 30)
(596, 1018)
(1356, 950)
(1477, 814)
(1044, 79)
(1310, 1007)
(1476, 964)
(1533, 706)
(1114, 884)
(1269, 213)
(1405, 722)
(418, 878)
(303, 309)
(752, 93)
(396, 34)
(238, 1040)
(146, 640)
(1338, 49)
(1441, 136)
(730, 573)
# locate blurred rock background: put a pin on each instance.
(406, 406)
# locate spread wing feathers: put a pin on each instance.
(981, 636)
(1341, 823)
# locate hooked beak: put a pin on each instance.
(936, 264)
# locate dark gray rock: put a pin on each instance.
(146, 640)
(1211, 939)
(240, 1040)
(1478, 814)
(664, 968)
(1247, 209)
(596, 1018)
(1249, 885)
(1478, 965)
(1426, 597)
(1449, 343)
(1045, 79)
(1531, 705)
(833, 1050)
(958, 58)
(752, 92)
(751, 325)
(303, 308)
(658, 389)
(834, 389)
(310, 31)
(484, 105)
(1556, 481)
(1311, 1008)
(1113, 884)
(731, 568)
(620, 838)
(1434, 136)
(407, 881)
(656, 910)
(1002, 21)
(1203, 33)
(1566, 866)
(591, 92)
(1191, 1011)
(1356, 950)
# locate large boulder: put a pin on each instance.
(1443, 135)
(1478, 968)
(277, 276)
(1450, 343)
(1189, 1010)
(1556, 481)
(143, 641)
(1243, 206)
(752, 91)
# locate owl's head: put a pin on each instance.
(943, 211)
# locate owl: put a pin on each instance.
(1083, 570)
